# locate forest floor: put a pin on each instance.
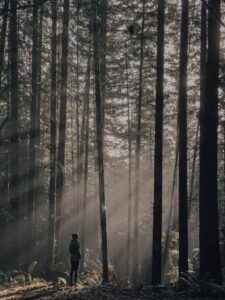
(108, 292)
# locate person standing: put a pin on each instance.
(75, 256)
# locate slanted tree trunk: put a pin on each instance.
(157, 209)
(210, 262)
(52, 183)
(99, 136)
(14, 143)
(182, 127)
(2, 38)
(62, 123)
(137, 154)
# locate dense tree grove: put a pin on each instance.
(112, 125)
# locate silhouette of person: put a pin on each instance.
(75, 256)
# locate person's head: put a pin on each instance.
(74, 236)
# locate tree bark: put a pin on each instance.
(86, 154)
(182, 123)
(38, 125)
(78, 189)
(157, 209)
(99, 136)
(52, 183)
(129, 170)
(210, 261)
(14, 143)
(137, 154)
(33, 135)
(62, 123)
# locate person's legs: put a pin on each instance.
(71, 272)
(76, 266)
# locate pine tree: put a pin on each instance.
(99, 136)
(157, 212)
(62, 124)
(210, 262)
(14, 143)
(182, 124)
(52, 183)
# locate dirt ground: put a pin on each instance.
(107, 292)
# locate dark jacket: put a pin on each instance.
(74, 250)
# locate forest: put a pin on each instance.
(112, 126)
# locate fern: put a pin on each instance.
(32, 267)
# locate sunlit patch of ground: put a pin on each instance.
(17, 291)
(48, 291)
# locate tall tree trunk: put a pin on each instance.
(38, 119)
(78, 124)
(84, 210)
(33, 134)
(103, 7)
(2, 39)
(137, 155)
(223, 212)
(210, 262)
(157, 209)
(129, 170)
(14, 125)
(73, 210)
(182, 124)
(99, 136)
(52, 183)
(62, 123)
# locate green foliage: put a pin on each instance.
(32, 267)
(61, 281)
(15, 277)
(3, 278)
(198, 287)
(92, 261)
(173, 257)
(19, 279)
(173, 272)
(93, 278)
